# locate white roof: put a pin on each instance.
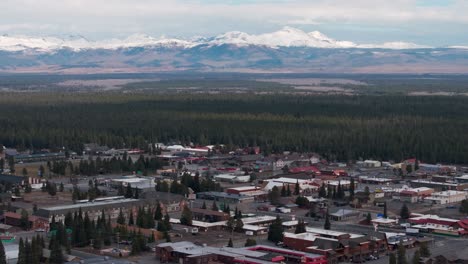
(384, 221)
(206, 224)
(448, 193)
(302, 236)
(321, 231)
(244, 188)
(258, 219)
(288, 180)
(291, 223)
(254, 227)
(434, 217)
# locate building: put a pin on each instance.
(386, 222)
(225, 197)
(439, 225)
(12, 179)
(337, 246)
(413, 195)
(134, 181)
(208, 215)
(304, 185)
(35, 222)
(440, 186)
(39, 157)
(344, 214)
(375, 180)
(189, 253)
(232, 178)
(446, 197)
(372, 163)
(111, 207)
(253, 191)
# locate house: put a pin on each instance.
(344, 214)
(35, 222)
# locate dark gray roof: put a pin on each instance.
(11, 178)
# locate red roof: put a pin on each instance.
(304, 169)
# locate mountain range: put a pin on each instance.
(286, 50)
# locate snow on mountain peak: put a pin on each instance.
(285, 37)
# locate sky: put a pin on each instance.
(427, 22)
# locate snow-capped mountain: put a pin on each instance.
(286, 50)
(286, 37)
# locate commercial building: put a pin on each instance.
(440, 186)
(189, 253)
(225, 197)
(111, 207)
(232, 178)
(439, 225)
(446, 197)
(413, 195)
(337, 246)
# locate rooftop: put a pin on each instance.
(320, 231)
(90, 204)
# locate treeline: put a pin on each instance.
(338, 127)
(187, 181)
(91, 167)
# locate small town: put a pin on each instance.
(191, 204)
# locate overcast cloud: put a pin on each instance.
(430, 22)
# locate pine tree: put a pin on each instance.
(230, 244)
(21, 252)
(203, 205)
(401, 254)
(158, 212)
(56, 254)
(416, 257)
(392, 259)
(275, 231)
(121, 218)
(129, 191)
(327, 224)
(322, 191)
(167, 222)
(120, 190)
(351, 189)
(130, 218)
(297, 188)
(274, 195)
(24, 221)
(186, 217)
(368, 219)
(214, 206)
(424, 250)
(385, 210)
(250, 242)
(301, 227)
(239, 225)
(2, 253)
(404, 212)
(283, 191)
